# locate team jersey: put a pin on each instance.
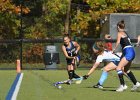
(71, 50)
(107, 56)
(125, 41)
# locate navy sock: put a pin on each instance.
(75, 75)
(70, 73)
(120, 75)
(132, 77)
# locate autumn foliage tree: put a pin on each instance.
(90, 21)
(47, 18)
(9, 17)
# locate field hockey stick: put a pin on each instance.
(61, 82)
(77, 61)
(74, 80)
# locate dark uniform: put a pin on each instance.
(127, 48)
(71, 52)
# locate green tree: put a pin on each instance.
(51, 19)
(8, 28)
(89, 21)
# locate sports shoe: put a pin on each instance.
(69, 82)
(98, 86)
(135, 87)
(79, 80)
(121, 88)
(125, 87)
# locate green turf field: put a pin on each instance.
(38, 85)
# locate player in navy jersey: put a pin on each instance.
(70, 50)
(128, 54)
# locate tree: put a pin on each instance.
(67, 21)
(9, 16)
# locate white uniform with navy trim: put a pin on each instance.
(107, 56)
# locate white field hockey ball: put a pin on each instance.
(59, 87)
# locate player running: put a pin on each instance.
(127, 58)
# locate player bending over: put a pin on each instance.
(103, 55)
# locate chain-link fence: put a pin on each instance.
(34, 54)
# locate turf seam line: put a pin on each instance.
(13, 92)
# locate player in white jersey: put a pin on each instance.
(103, 55)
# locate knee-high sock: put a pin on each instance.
(132, 77)
(75, 75)
(70, 73)
(103, 77)
(120, 75)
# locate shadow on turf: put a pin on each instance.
(110, 89)
(104, 89)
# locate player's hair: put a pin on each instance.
(66, 35)
(100, 46)
(121, 24)
(107, 36)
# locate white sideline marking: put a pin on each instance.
(17, 87)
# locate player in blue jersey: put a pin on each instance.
(128, 54)
(70, 50)
(103, 55)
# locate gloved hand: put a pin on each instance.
(85, 77)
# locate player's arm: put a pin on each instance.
(65, 53)
(96, 64)
(77, 46)
(93, 68)
(138, 41)
(118, 41)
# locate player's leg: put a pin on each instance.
(75, 75)
(74, 68)
(122, 63)
(70, 70)
(110, 66)
(126, 60)
(132, 77)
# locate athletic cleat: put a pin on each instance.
(79, 80)
(121, 88)
(75, 76)
(98, 86)
(125, 87)
(135, 87)
(69, 82)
